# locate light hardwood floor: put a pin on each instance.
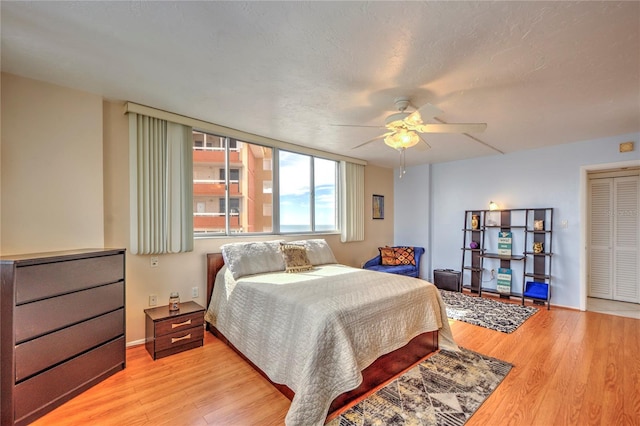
(612, 307)
(571, 368)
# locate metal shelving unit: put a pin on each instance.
(528, 226)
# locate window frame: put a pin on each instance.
(275, 184)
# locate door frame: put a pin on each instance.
(584, 208)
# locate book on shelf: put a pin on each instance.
(504, 243)
(504, 280)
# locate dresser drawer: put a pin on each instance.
(51, 279)
(44, 316)
(41, 353)
(50, 388)
(171, 325)
(179, 338)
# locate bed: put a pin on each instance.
(323, 335)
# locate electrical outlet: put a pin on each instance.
(154, 261)
(194, 292)
(153, 300)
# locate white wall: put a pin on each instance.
(52, 196)
(412, 215)
(548, 177)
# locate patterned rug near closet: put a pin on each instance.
(485, 312)
(444, 390)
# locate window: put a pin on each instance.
(295, 192)
(243, 187)
(234, 204)
(234, 175)
(206, 142)
(325, 178)
(306, 200)
(308, 196)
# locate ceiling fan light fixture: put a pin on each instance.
(402, 139)
(413, 120)
(404, 120)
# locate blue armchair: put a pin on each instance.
(375, 264)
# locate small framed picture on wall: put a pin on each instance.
(378, 206)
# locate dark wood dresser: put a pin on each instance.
(62, 325)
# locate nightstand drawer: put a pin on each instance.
(179, 323)
(179, 338)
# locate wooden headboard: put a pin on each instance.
(215, 262)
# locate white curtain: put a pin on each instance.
(352, 193)
(161, 185)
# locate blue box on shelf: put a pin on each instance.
(536, 290)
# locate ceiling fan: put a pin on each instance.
(404, 127)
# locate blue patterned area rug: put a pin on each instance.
(485, 312)
(444, 390)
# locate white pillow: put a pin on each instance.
(253, 257)
(318, 251)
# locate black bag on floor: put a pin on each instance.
(447, 279)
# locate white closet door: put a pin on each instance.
(600, 238)
(626, 239)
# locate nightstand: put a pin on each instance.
(171, 332)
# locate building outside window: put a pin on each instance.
(306, 202)
(247, 177)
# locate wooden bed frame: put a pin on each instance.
(382, 369)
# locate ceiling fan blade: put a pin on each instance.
(372, 140)
(454, 128)
(356, 125)
(422, 145)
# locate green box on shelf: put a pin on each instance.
(504, 243)
(504, 280)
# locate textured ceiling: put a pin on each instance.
(538, 73)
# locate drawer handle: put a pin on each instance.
(177, 339)
(187, 322)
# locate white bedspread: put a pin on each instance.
(315, 331)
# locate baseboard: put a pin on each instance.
(135, 343)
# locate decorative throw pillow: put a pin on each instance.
(295, 258)
(388, 256)
(405, 256)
